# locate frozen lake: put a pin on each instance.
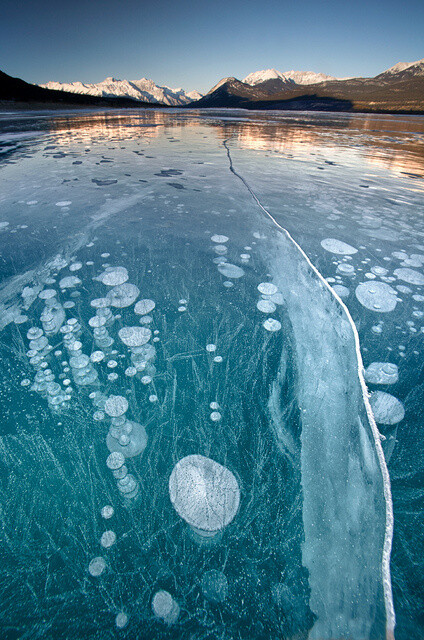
(212, 380)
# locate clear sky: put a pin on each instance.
(193, 43)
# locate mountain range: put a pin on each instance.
(143, 89)
(399, 89)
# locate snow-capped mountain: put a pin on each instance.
(143, 89)
(413, 68)
(297, 77)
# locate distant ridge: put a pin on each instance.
(16, 91)
(399, 89)
(144, 90)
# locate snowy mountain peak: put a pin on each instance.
(144, 90)
(297, 77)
(402, 66)
(262, 76)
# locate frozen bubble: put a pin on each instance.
(114, 276)
(130, 371)
(376, 296)
(25, 382)
(123, 295)
(68, 304)
(107, 511)
(63, 203)
(217, 359)
(97, 566)
(135, 336)
(381, 373)
(266, 306)
(97, 356)
(111, 364)
(108, 539)
(409, 275)
(267, 288)
(34, 333)
(210, 348)
(146, 380)
(121, 620)
(245, 256)
(98, 416)
(271, 324)
(418, 298)
(47, 294)
(97, 321)
(182, 301)
(153, 398)
(230, 270)
(215, 416)
(100, 303)
(214, 405)
(104, 255)
(115, 460)
(214, 586)
(165, 607)
(227, 284)
(338, 247)
(341, 290)
(69, 282)
(116, 406)
(379, 271)
(146, 320)
(143, 307)
(182, 308)
(75, 266)
(386, 408)
(219, 239)
(403, 289)
(204, 493)
(345, 269)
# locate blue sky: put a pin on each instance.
(193, 44)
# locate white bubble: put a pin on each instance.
(376, 296)
(338, 247)
(107, 511)
(121, 620)
(143, 307)
(386, 408)
(267, 288)
(266, 306)
(409, 275)
(97, 566)
(108, 539)
(210, 348)
(230, 270)
(219, 239)
(271, 324)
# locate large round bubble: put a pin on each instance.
(204, 493)
(377, 296)
(386, 408)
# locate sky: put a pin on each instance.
(194, 43)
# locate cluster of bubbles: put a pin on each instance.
(380, 292)
(204, 493)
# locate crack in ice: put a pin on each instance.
(388, 535)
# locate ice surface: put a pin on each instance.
(307, 552)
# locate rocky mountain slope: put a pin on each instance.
(398, 89)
